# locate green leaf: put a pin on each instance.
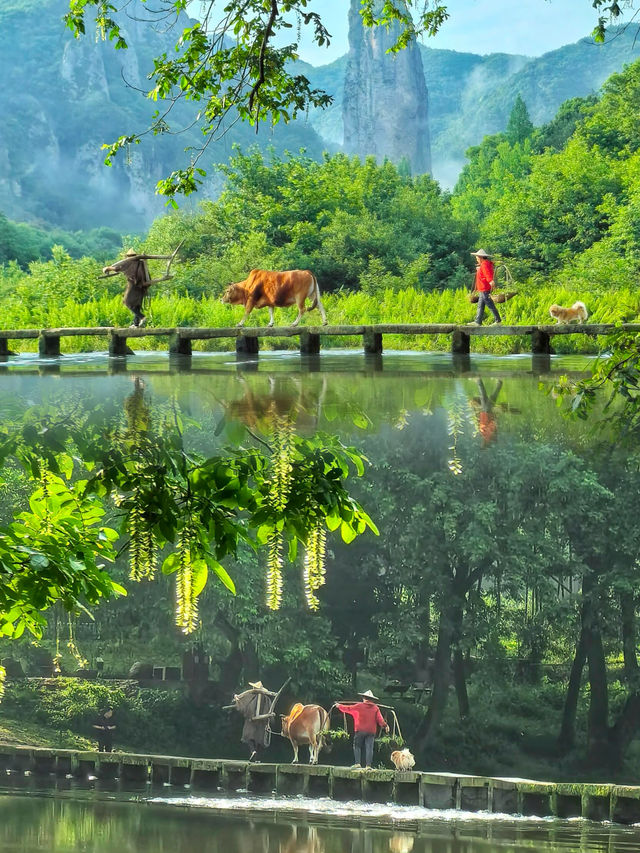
(293, 549)
(360, 420)
(171, 564)
(333, 521)
(200, 575)
(347, 532)
(221, 572)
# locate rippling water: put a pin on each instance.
(254, 825)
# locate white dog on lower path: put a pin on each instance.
(402, 759)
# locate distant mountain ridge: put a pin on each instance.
(471, 95)
(62, 98)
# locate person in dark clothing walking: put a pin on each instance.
(135, 269)
(105, 728)
(484, 284)
(255, 707)
(366, 719)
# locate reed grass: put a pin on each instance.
(389, 306)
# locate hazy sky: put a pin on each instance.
(528, 27)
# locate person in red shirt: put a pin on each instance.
(484, 283)
(366, 719)
(485, 404)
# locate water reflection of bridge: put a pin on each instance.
(247, 339)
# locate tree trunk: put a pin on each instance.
(441, 680)
(598, 728)
(423, 662)
(567, 735)
(628, 609)
(460, 682)
(627, 725)
(459, 675)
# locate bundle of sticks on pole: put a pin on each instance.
(135, 269)
(134, 266)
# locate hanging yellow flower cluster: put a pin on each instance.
(143, 551)
(142, 544)
(79, 658)
(186, 593)
(274, 570)
(314, 563)
(282, 443)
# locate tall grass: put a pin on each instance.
(389, 306)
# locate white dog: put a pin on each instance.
(402, 759)
(578, 312)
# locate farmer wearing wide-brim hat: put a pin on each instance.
(484, 283)
(366, 719)
(254, 705)
(135, 269)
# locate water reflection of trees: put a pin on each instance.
(282, 491)
(526, 557)
(64, 826)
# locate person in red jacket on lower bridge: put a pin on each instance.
(366, 719)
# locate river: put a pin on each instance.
(40, 824)
(480, 430)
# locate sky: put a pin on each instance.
(529, 27)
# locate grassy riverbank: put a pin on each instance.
(388, 306)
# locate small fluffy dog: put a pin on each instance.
(402, 759)
(577, 312)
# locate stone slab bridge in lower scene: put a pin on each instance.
(247, 339)
(617, 803)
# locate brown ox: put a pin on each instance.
(267, 289)
(306, 728)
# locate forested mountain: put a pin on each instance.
(61, 99)
(471, 96)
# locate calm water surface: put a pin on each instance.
(30, 824)
(400, 404)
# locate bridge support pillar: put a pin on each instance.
(246, 345)
(309, 343)
(372, 342)
(540, 342)
(118, 346)
(459, 343)
(461, 362)
(179, 345)
(5, 352)
(49, 346)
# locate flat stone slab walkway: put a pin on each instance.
(511, 796)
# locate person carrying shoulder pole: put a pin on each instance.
(484, 284)
(366, 719)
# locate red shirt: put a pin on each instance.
(366, 716)
(487, 426)
(484, 276)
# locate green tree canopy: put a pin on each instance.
(519, 126)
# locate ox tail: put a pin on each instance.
(325, 721)
(316, 302)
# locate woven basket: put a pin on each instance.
(497, 297)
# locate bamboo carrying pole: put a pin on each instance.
(167, 274)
